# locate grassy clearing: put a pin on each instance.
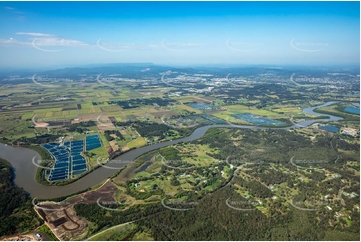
(116, 234)
(234, 109)
(181, 107)
(44, 229)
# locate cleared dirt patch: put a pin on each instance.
(61, 217)
(166, 113)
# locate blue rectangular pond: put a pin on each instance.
(257, 120)
(330, 128)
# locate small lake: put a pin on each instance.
(330, 128)
(144, 167)
(352, 110)
(201, 106)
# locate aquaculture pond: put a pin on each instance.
(330, 128)
(258, 120)
(68, 159)
(201, 106)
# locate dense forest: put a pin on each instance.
(152, 129)
(16, 210)
(107, 134)
(212, 219)
(39, 139)
(80, 127)
(135, 103)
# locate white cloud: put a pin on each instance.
(41, 40)
(12, 41)
(54, 41)
(35, 34)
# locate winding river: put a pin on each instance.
(21, 159)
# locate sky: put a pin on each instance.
(51, 34)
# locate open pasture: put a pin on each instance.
(139, 142)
